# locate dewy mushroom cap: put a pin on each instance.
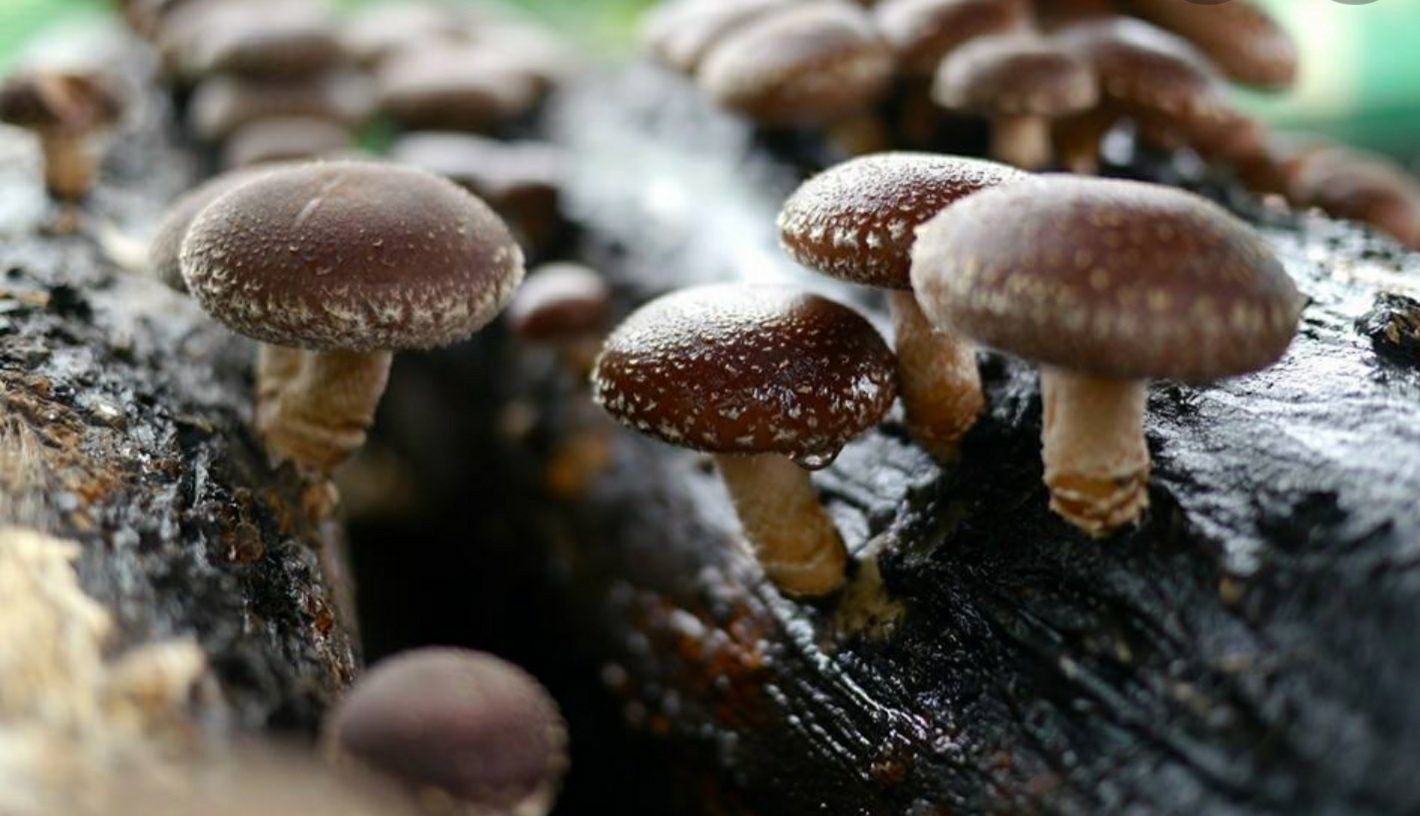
(1109, 278)
(747, 369)
(1022, 74)
(353, 256)
(857, 220)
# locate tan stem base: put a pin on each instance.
(1096, 462)
(938, 379)
(68, 166)
(794, 539)
(276, 367)
(325, 410)
(1023, 141)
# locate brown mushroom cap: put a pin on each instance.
(165, 249)
(222, 104)
(285, 138)
(1366, 187)
(1014, 75)
(1145, 70)
(1110, 278)
(922, 32)
(59, 101)
(747, 369)
(679, 34)
(560, 301)
(808, 64)
(354, 256)
(1238, 36)
(376, 31)
(857, 221)
(475, 727)
(267, 39)
(455, 88)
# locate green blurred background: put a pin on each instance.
(1360, 80)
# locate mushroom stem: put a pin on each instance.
(859, 135)
(68, 165)
(793, 538)
(1078, 140)
(938, 379)
(276, 367)
(1021, 140)
(1096, 462)
(323, 413)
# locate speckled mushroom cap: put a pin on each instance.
(809, 64)
(1142, 68)
(466, 723)
(165, 248)
(857, 221)
(455, 87)
(58, 101)
(1115, 279)
(353, 256)
(560, 301)
(922, 32)
(1238, 36)
(1014, 74)
(747, 369)
(679, 34)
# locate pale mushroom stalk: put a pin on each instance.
(938, 379)
(1022, 140)
(68, 165)
(1078, 138)
(794, 539)
(276, 367)
(325, 410)
(1096, 461)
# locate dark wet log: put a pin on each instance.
(1252, 647)
(123, 427)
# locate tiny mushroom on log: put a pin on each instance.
(857, 222)
(1021, 82)
(772, 381)
(818, 64)
(565, 306)
(349, 261)
(1238, 36)
(1361, 186)
(454, 723)
(1106, 284)
(67, 110)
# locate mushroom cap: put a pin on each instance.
(1114, 279)
(808, 64)
(560, 301)
(375, 31)
(922, 32)
(1014, 74)
(165, 248)
(1366, 187)
(1238, 36)
(285, 138)
(747, 369)
(267, 39)
(455, 88)
(1143, 69)
(856, 221)
(59, 101)
(678, 34)
(354, 256)
(471, 725)
(222, 104)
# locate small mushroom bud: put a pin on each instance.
(857, 222)
(1238, 36)
(349, 261)
(455, 87)
(285, 138)
(924, 32)
(1021, 82)
(1106, 284)
(456, 724)
(773, 382)
(1361, 186)
(67, 110)
(565, 306)
(816, 64)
